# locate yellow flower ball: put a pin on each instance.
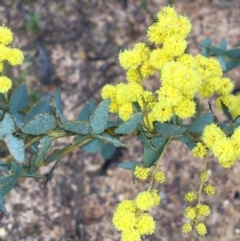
(174, 45)
(5, 84)
(183, 26)
(204, 177)
(143, 50)
(6, 35)
(186, 228)
(108, 91)
(224, 150)
(225, 86)
(156, 33)
(203, 210)
(14, 56)
(147, 69)
(156, 197)
(190, 196)
(141, 172)
(145, 224)
(144, 200)
(199, 150)
(211, 134)
(185, 109)
(113, 107)
(130, 59)
(201, 229)
(133, 92)
(187, 60)
(134, 75)
(158, 58)
(167, 12)
(125, 111)
(190, 213)
(121, 89)
(160, 177)
(209, 190)
(127, 205)
(124, 220)
(132, 235)
(161, 112)
(169, 95)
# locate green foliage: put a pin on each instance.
(16, 147)
(130, 125)
(229, 59)
(199, 124)
(77, 127)
(107, 151)
(18, 105)
(57, 105)
(94, 146)
(169, 129)
(99, 118)
(36, 128)
(40, 125)
(87, 111)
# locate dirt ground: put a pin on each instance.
(81, 40)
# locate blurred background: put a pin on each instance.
(73, 45)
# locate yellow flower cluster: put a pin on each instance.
(182, 75)
(226, 149)
(194, 214)
(141, 172)
(131, 219)
(12, 55)
(209, 190)
(160, 176)
(232, 102)
(204, 177)
(199, 150)
(190, 196)
(121, 98)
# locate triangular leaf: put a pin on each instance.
(185, 139)
(78, 127)
(94, 146)
(108, 150)
(226, 111)
(206, 42)
(222, 61)
(126, 165)
(99, 118)
(168, 129)
(130, 125)
(42, 147)
(87, 111)
(57, 103)
(16, 168)
(150, 153)
(16, 147)
(199, 124)
(217, 51)
(233, 53)
(7, 125)
(109, 138)
(18, 103)
(231, 64)
(223, 44)
(40, 125)
(41, 107)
